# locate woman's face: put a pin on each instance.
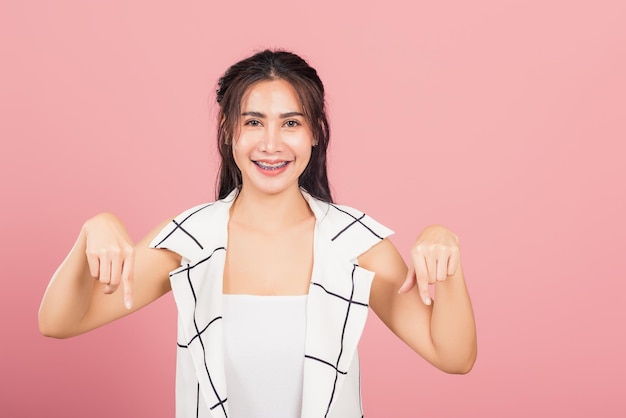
(273, 141)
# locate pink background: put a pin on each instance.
(505, 120)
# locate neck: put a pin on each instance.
(268, 212)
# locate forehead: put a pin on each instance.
(279, 95)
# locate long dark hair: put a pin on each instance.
(273, 65)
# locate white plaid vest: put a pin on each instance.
(337, 308)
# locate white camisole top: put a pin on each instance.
(264, 354)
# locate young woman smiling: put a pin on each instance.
(273, 280)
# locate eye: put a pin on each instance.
(252, 122)
(292, 123)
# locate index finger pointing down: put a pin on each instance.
(127, 279)
(421, 273)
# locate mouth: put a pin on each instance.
(271, 166)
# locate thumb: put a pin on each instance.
(409, 282)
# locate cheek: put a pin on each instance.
(238, 155)
(240, 147)
(304, 156)
(245, 142)
(302, 143)
(306, 147)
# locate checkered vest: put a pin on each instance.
(337, 307)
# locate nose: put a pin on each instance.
(271, 141)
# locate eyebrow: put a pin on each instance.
(263, 116)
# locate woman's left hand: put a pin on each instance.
(434, 256)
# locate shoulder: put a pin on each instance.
(352, 222)
(350, 230)
(195, 230)
(385, 260)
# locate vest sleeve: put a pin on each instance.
(185, 234)
(352, 232)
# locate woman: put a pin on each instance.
(272, 281)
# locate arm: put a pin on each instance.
(83, 293)
(442, 332)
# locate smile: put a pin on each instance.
(271, 166)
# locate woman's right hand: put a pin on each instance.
(75, 303)
(110, 254)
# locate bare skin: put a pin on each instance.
(270, 250)
(83, 292)
(255, 246)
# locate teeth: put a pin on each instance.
(274, 166)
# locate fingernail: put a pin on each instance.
(128, 303)
(427, 301)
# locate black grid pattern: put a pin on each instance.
(199, 332)
(355, 221)
(355, 232)
(179, 226)
(339, 293)
(335, 363)
(335, 366)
